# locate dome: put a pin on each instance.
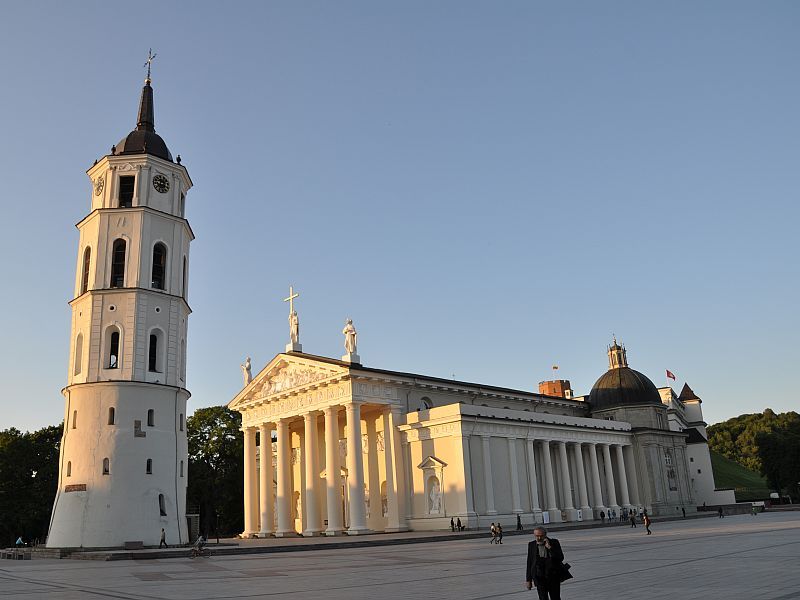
(622, 386)
(144, 139)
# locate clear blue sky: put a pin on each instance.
(486, 188)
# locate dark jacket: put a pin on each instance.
(545, 569)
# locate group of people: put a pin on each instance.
(456, 525)
(497, 533)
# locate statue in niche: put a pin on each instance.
(435, 496)
(294, 327)
(246, 372)
(350, 337)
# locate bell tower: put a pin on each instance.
(123, 462)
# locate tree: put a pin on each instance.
(216, 470)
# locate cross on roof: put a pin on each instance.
(149, 61)
(290, 299)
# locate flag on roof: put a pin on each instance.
(670, 374)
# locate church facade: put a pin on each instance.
(359, 449)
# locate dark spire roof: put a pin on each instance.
(687, 394)
(144, 139)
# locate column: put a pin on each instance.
(250, 490)
(468, 516)
(623, 478)
(355, 471)
(549, 486)
(285, 525)
(533, 484)
(487, 475)
(372, 473)
(265, 481)
(310, 453)
(630, 469)
(512, 461)
(583, 496)
(598, 493)
(566, 485)
(333, 472)
(392, 455)
(612, 494)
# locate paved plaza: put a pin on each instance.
(738, 557)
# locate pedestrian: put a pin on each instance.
(499, 534)
(602, 517)
(683, 510)
(720, 512)
(459, 525)
(641, 512)
(452, 524)
(493, 529)
(163, 541)
(633, 519)
(647, 524)
(545, 567)
(754, 510)
(519, 523)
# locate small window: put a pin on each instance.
(74, 419)
(180, 420)
(69, 468)
(87, 261)
(151, 418)
(162, 507)
(111, 415)
(106, 467)
(152, 356)
(183, 286)
(126, 186)
(118, 263)
(78, 354)
(691, 459)
(182, 204)
(113, 349)
(699, 471)
(159, 266)
(149, 467)
(181, 468)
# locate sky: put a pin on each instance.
(487, 189)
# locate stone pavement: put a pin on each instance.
(739, 557)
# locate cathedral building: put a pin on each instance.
(362, 449)
(123, 460)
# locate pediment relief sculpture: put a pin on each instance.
(292, 376)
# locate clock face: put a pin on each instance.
(161, 184)
(98, 186)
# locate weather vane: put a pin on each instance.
(150, 57)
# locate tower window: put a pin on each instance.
(162, 508)
(78, 354)
(74, 419)
(126, 186)
(151, 418)
(118, 263)
(69, 468)
(183, 287)
(181, 468)
(106, 467)
(149, 467)
(181, 207)
(181, 421)
(159, 266)
(113, 348)
(152, 355)
(111, 415)
(87, 261)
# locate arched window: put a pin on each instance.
(69, 468)
(78, 354)
(151, 418)
(159, 266)
(127, 183)
(106, 467)
(183, 360)
(149, 467)
(181, 468)
(425, 403)
(162, 507)
(118, 263)
(111, 415)
(153, 353)
(74, 419)
(113, 348)
(182, 205)
(87, 261)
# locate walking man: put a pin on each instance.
(494, 533)
(519, 523)
(163, 541)
(647, 523)
(633, 519)
(499, 534)
(545, 568)
(452, 524)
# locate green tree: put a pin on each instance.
(216, 471)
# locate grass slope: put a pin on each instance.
(748, 485)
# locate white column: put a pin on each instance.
(487, 475)
(355, 471)
(333, 472)
(512, 461)
(250, 489)
(310, 453)
(598, 492)
(569, 507)
(466, 477)
(533, 482)
(285, 525)
(630, 469)
(549, 485)
(583, 496)
(623, 478)
(265, 481)
(612, 493)
(394, 471)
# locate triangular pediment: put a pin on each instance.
(431, 462)
(286, 373)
